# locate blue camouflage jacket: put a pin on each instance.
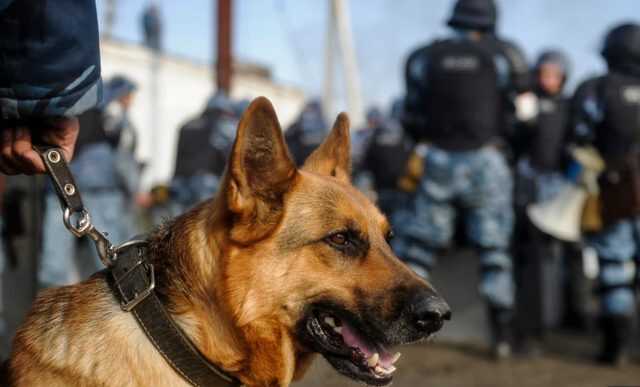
(49, 58)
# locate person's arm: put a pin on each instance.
(520, 104)
(585, 113)
(516, 77)
(49, 73)
(413, 115)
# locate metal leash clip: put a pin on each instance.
(71, 203)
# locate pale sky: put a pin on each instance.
(288, 35)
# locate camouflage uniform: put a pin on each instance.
(480, 183)
(455, 102)
(52, 75)
(617, 245)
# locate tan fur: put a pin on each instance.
(235, 272)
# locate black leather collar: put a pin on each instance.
(133, 282)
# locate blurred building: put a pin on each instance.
(184, 87)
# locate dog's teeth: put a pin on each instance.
(373, 360)
(381, 370)
(390, 369)
(330, 321)
(338, 330)
(395, 357)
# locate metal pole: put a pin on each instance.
(154, 91)
(109, 18)
(350, 64)
(329, 62)
(153, 32)
(224, 58)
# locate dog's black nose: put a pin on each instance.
(429, 311)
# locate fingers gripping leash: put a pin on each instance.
(75, 216)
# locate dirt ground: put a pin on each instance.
(451, 365)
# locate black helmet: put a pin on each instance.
(622, 46)
(555, 57)
(474, 14)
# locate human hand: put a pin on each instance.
(17, 155)
(144, 200)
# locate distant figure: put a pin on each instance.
(307, 132)
(459, 91)
(204, 144)
(152, 27)
(362, 137)
(385, 157)
(540, 145)
(606, 111)
(119, 96)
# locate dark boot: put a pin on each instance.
(501, 325)
(616, 335)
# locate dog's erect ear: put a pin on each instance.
(260, 172)
(333, 156)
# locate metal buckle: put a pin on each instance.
(127, 306)
(129, 243)
(81, 227)
(84, 227)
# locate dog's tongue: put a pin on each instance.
(352, 339)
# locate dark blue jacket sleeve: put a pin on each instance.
(49, 58)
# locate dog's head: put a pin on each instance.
(308, 265)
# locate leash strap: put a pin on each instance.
(71, 202)
(133, 283)
(62, 178)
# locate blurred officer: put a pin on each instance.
(307, 132)
(540, 149)
(204, 144)
(605, 112)
(362, 138)
(119, 95)
(458, 92)
(152, 26)
(104, 192)
(363, 177)
(385, 157)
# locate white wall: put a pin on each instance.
(184, 87)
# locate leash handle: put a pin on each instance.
(71, 202)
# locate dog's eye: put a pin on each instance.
(339, 239)
(389, 235)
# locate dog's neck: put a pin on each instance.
(188, 254)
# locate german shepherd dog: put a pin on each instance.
(282, 264)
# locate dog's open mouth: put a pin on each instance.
(349, 350)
